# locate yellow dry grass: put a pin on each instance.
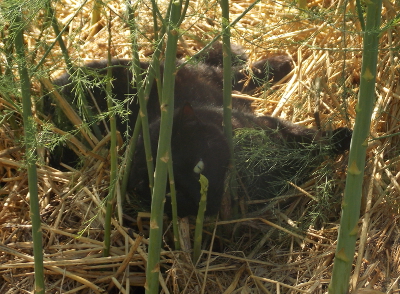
(273, 254)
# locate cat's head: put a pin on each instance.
(262, 72)
(213, 56)
(273, 68)
(197, 147)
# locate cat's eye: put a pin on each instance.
(199, 167)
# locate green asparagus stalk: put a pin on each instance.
(353, 191)
(163, 152)
(200, 218)
(113, 153)
(30, 146)
(227, 93)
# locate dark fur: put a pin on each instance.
(197, 131)
(192, 140)
(197, 135)
(213, 55)
(199, 83)
(247, 78)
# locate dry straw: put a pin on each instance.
(280, 250)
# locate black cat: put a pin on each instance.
(197, 131)
(199, 83)
(197, 137)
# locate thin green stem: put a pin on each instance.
(218, 36)
(40, 63)
(57, 31)
(227, 93)
(137, 70)
(153, 72)
(227, 75)
(198, 234)
(360, 14)
(174, 206)
(113, 152)
(30, 145)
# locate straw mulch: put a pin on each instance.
(278, 249)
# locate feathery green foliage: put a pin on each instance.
(54, 24)
(259, 156)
